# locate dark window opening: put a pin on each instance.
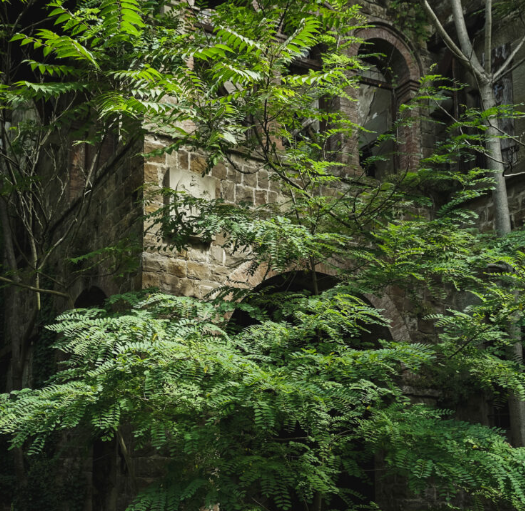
(308, 127)
(376, 115)
(303, 282)
(92, 297)
(504, 95)
(500, 416)
(104, 453)
(376, 109)
(293, 282)
(104, 478)
(366, 160)
(209, 4)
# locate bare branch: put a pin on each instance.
(33, 288)
(464, 40)
(444, 35)
(510, 69)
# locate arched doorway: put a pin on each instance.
(92, 297)
(303, 282)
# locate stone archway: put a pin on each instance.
(299, 280)
(388, 42)
(327, 279)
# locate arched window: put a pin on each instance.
(376, 115)
(390, 81)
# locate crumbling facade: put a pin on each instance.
(116, 210)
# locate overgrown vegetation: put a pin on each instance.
(290, 411)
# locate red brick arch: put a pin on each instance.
(408, 72)
(409, 68)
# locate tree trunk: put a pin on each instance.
(503, 227)
(495, 163)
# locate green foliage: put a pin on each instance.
(292, 407)
(272, 414)
(410, 18)
(431, 446)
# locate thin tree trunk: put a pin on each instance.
(503, 227)
(495, 164)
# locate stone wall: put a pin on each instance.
(113, 215)
(204, 266)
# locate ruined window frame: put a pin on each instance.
(365, 151)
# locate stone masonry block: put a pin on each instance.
(219, 272)
(150, 280)
(186, 287)
(261, 197)
(217, 254)
(197, 164)
(153, 262)
(232, 260)
(177, 268)
(250, 179)
(169, 283)
(228, 191)
(234, 176)
(198, 271)
(219, 171)
(273, 197)
(262, 179)
(150, 146)
(244, 193)
(152, 172)
(184, 159)
(198, 253)
(202, 289)
(151, 208)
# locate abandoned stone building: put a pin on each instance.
(116, 211)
